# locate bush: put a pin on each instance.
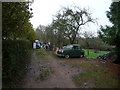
(15, 56)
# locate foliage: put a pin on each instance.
(40, 32)
(68, 22)
(56, 37)
(94, 43)
(15, 57)
(48, 34)
(15, 21)
(65, 27)
(88, 36)
(111, 34)
(29, 33)
(16, 34)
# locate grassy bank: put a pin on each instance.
(99, 77)
(94, 74)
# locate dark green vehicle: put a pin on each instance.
(74, 50)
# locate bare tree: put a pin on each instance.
(69, 21)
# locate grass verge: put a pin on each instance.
(97, 77)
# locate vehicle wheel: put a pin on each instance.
(81, 55)
(67, 56)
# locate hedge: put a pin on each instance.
(15, 57)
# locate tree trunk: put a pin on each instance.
(87, 43)
(73, 39)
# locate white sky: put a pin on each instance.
(43, 11)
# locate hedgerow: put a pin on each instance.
(15, 57)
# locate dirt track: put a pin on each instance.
(62, 71)
(61, 76)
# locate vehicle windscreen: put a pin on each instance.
(69, 47)
(76, 47)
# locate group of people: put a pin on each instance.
(42, 45)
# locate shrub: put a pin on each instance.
(15, 56)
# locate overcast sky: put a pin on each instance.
(43, 11)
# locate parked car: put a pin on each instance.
(74, 50)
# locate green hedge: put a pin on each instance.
(15, 57)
